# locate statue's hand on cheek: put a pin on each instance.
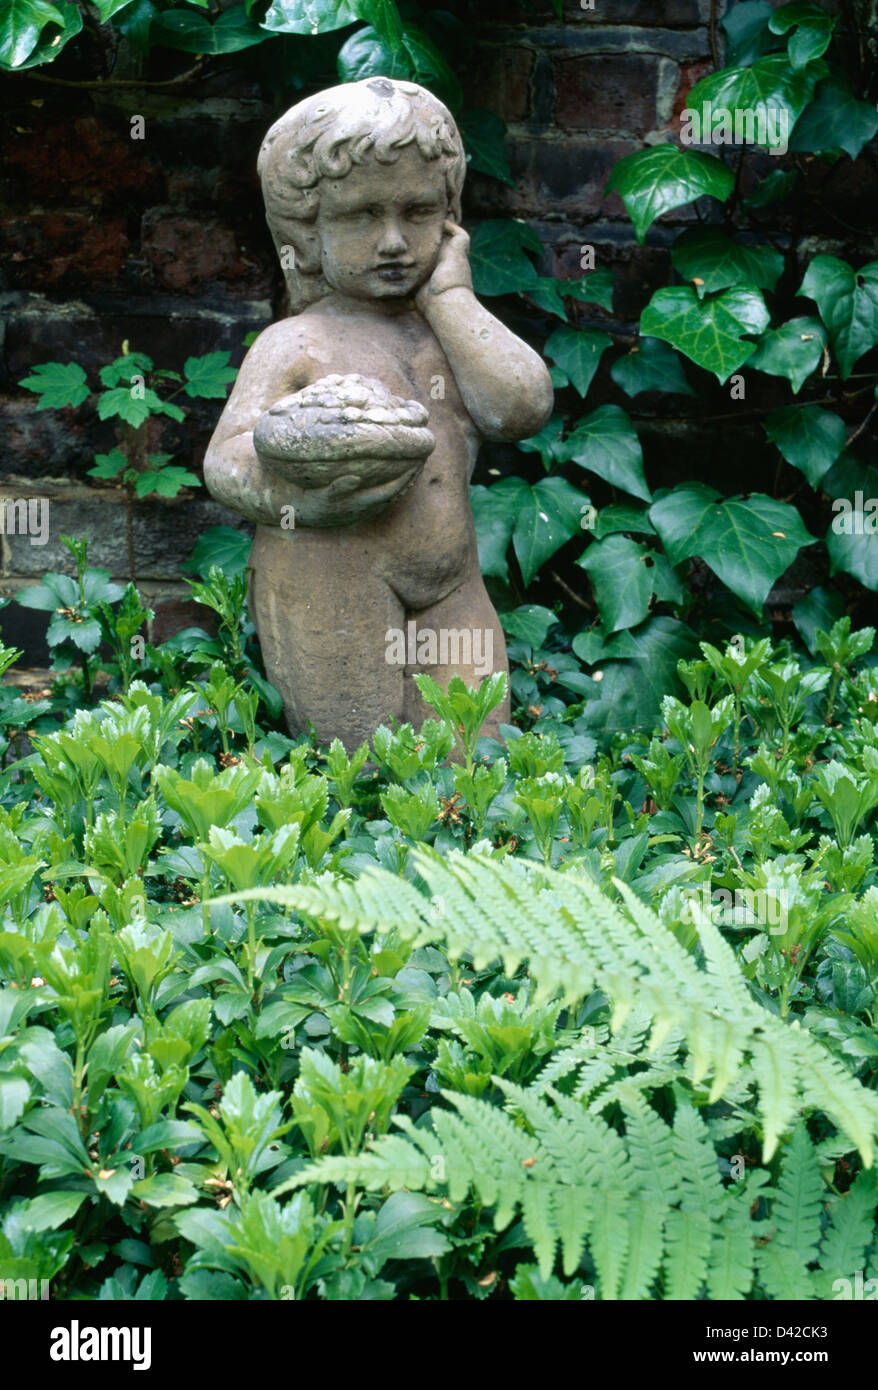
(452, 270)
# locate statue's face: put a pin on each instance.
(381, 226)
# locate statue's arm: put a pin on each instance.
(504, 384)
(233, 472)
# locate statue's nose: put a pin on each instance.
(392, 238)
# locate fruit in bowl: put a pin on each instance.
(347, 434)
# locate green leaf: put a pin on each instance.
(124, 368)
(748, 543)
(578, 352)
(709, 331)
(835, 120)
(606, 443)
(623, 575)
(484, 138)
(310, 16)
(529, 623)
(193, 33)
(813, 31)
(852, 539)
(209, 375)
(21, 22)
(164, 482)
(58, 384)
(638, 667)
(165, 1190)
(773, 187)
(365, 54)
(108, 465)
(122, 403)
(52, 1209)
(546, 443)
(794, 350)
(14, 1096)
(596, 288)
(746, 25)
(765, 91)
(651, 365)
(494, 512)
(848, 304)
(54, 36)
(548, 514)
(107, 8)
(497, 257)
(809, 438)
(714, 261)
(546, 293)
(384, 17)
(817, 612)
(621, 516)
(657, 180)
(223, 546)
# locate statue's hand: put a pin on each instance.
(452, 269)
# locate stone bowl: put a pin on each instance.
(348, 430)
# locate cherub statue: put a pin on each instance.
(352, 431)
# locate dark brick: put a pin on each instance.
(62, 248)
(499, 79)
(552, 177)
(84, 160)
(606, 94)
(684, 14)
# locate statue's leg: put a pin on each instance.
(322, 620)
(469, 643)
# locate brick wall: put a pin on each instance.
(162, 241)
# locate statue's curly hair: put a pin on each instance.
(324, 137)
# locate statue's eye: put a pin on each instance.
(421, 210)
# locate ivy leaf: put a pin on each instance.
(813, 31)
(21, 23)
(484, 137)
(546, 293)
(578, 353)
(529, 623)
(193, 33)
(538, 520)
(773, 187)
(748, 543)
(546, 443)
(714, 261)
(625, 576)
(748, 34)
(549, 513)
(621, 516)
(596, 288)
(641, 667)
(384, 17)
(309, 16)
(52, 38)
(58, 384)
(365, 54)
(651, 365)
(494, 511)
(794, 350)
(107, 8)
(209, 375)
(809, 438)
(655, 181)
(764, 91)
(708, 331)
(498, 260)
(817, 612)
(606, 443)
(835, 120)
(848, 304)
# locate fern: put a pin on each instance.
(575, 939)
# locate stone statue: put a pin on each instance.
(352, 431)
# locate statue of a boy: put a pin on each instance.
(352, 431)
